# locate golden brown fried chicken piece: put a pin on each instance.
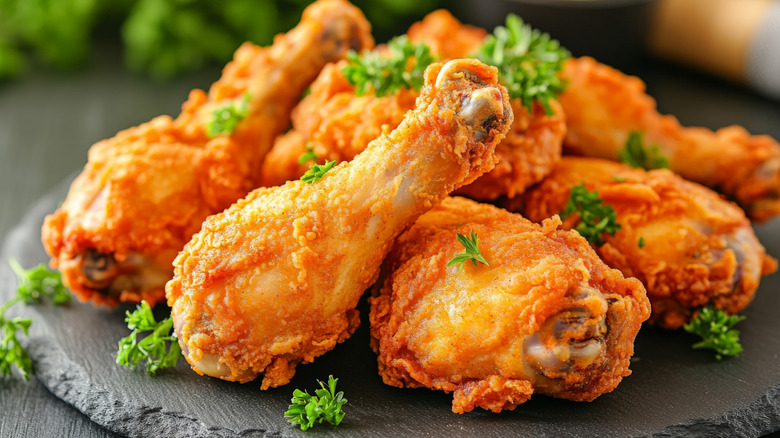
(337, 124)
(688, 246)
(546, 316)
(603, 106)
(146, 191)
(274, 280)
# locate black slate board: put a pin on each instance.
(673, 391)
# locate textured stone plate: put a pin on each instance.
(673, 391)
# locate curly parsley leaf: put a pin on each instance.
(384, 75)
(225, 119)
(635, 154)
(714, 326)
(38, 283)
(160, 348)
(325, 405)
(472, 253)
(35, 284)
(308, 155)
(316, 172)
(596, 218)
(528, 62)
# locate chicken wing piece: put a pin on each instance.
(337, 124)
(144, 192)
(274, 280)
(688, 246)
(546, 316)
(603, 106)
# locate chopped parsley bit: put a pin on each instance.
(384, 75)
(715, 328)
(596, 218)
(154, 347)
(325, 405)
(225, 119)
(35, 284)
(618, 178)
(317, 171)
(308, 155)
(472, 252)
(528, 62)
(641, 242)
(637, 155)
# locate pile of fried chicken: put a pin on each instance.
(263, 270)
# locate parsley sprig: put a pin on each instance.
(35, 285)
(635, 154)
(325, 405)
(528, 62)
(472, 253)
(225, 119)
(316, 172)
(159, 348)
(308, 155)
(384, 75)
(596, 218)
(714, 326)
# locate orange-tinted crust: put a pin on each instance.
(471, 332)
(697, 249)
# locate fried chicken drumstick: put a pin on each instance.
(603, 106)
(146, 191)
(546, 316)
(689, 247)
(274, 280)
(337, 124)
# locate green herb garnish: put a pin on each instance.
(308, 155)
(325, 405)
(384, 75)
(472, 252)
(225, 119)
(714, 326)
(641, 243)
(596, 218)
(316, 172)
(154, 348)
(637, 155)
(528, 62)
(35, 284)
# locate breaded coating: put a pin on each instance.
(688, 246)
(546, 316)
(146, 191)
(447, 37)
(274, 280)
(603, 106)
(338, 125)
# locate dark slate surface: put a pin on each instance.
(674, 390)
(48, 121)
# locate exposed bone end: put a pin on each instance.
(345, 28)
(99, 269)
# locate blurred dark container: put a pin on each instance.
(612, 31)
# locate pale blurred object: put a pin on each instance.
(735, 39)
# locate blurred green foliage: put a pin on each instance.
(164, 38)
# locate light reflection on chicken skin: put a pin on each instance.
(603, 106)
(144, 192)
(546, 316)
(274, 280)
(688, 246)
(338, 125)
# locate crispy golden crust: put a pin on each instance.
(697, 249)
(603, 106)
(338, 125)
(274, 280)
(144, 192)
(447, 37)
(488, 334)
